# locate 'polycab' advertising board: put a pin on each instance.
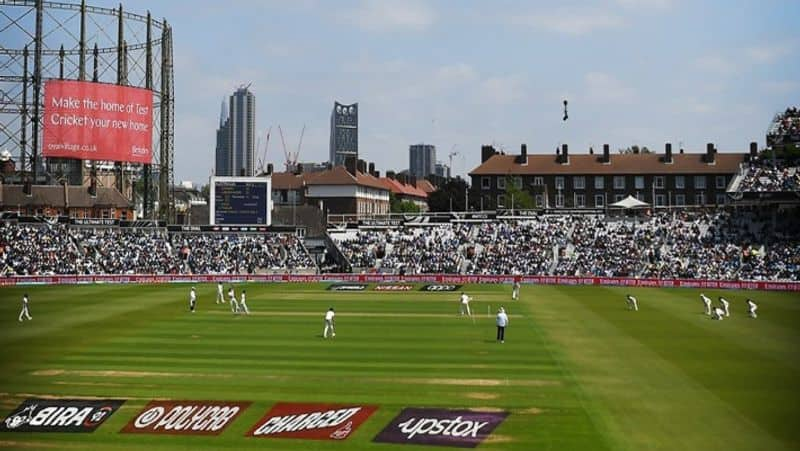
(97, 121)
(311, 421)
(185, 417)
(439, 427)
(60, 415)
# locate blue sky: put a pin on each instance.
(467, 73)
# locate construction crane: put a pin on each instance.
(263, 160)
(453, 153)
(291, 157)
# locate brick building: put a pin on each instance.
(66, 200)
(595, 181)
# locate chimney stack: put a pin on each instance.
(564, 154)
(372, 168)
(362, 166)
(668, 153)
(753, 150)
(487, 152)
(606, 154)
(269, 168)
(523, 155)
(350, 165)
(710, 153)
(390, 175)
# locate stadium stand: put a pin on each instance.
(56, 249)
(716, 244)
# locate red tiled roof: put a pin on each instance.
(286, 180)
(538, 164)
(53, 196)
(338, 175)
(403, 189)
(426, 186)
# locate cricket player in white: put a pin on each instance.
(725, 305)
(718, 314)
(515, 292)
(752, 307)
(232, 299)
(220, 297)
(465, 304)
(192, 300)
(707, 303)
(243, 304)
(633, 304)
(329, 324)
(24, 314)
(502, 322)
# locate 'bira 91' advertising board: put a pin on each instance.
(97, 121)
(60, 415)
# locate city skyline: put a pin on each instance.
(465, 74)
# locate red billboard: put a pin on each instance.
(311, 421)
(97, 121)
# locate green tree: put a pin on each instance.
(402, 206)
(453, 190)
(521, 198)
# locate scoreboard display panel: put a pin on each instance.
(240, 201)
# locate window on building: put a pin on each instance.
(559, 200)
(599, 200)
(658, 181)
(599, 182)
(518, 182)
(579, 182)
(619, 182)
(501, 183)
(559, 182)
(538, 180)
(721, 182)
(486, 182)
(699, 182)
(539, 199)
(680, 182)
(638, 182)
(721, 199)
(680, 200)
(660, 200)
(501, 201)
(618, 197)
(580, 201)
(700, 199)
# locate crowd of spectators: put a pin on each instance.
(785, 127)
(764, 176)
(682, 244)
(56, 249)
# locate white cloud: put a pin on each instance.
(765, 54)
(572, 21)
(780, 87)
(604, 88)
(502, 90)
(378, 15)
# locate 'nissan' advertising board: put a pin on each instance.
(459, 428)
(60, 415)
(347, 287)
(311, 421)
(185, 417)
(434, 287)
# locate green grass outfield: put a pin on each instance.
(577, 372)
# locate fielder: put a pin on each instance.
(725, 305)
(515, 291)
(752, 307)
(707, 303)
(24, 314)
(633, 304)
(243, 304)
(232, 299)
(192, 299)
(718, 314)
(465, 304)
(220, 297)
(330, 323)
